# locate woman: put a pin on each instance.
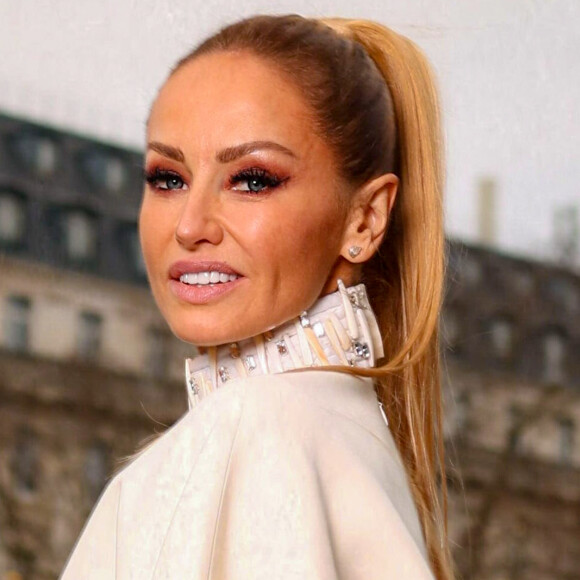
(291, 162)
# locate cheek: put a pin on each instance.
(308, 239)
(321, 222)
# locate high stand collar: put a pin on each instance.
(339, 329)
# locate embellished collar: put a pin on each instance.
(339, 329)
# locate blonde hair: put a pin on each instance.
(405, 279)
(375, 103)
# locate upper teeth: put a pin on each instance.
(206, 278)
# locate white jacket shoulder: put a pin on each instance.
(280, 476)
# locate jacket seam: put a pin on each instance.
(180, 497)
(223, 490)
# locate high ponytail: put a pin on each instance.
(376, 106)
(405, 278)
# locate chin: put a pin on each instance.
(201, 336)
(211, 332)
(224, 323)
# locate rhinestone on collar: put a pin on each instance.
(339, 329)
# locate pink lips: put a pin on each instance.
(194, 294)
(189, 267)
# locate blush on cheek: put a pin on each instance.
(318, 236)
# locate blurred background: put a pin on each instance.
(88, 368)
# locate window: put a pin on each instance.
(136, 255)
(566, 427)
(12, 218)
(25, 461)
(96, 468)
(17, 323)
(37, 152)
(106, 171)
(563, 292)
(554, 354)
(89, 336)
(131, 257)
(516, 425)
(80, 236)
(114, 175)
(501, 338)
(157, 353)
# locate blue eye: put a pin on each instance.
(164, 180)
(256, 184)
(255, 180)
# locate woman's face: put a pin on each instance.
(241, 223)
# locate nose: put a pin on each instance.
(199, 220)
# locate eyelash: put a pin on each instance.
(269, 181)
(155, 177)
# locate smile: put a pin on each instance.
(205, 278)
(203, 281)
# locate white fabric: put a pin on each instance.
(299, 343)
(286, 476)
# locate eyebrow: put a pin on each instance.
(167, 151)
(225, 155)
(233, 153)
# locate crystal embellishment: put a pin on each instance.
(250, 362)
(282, 348)
(318, 329)
(338, 330)
(224, 374)
(354, 300)
(357, 299)
(304, 320)
(193, 386)
(361, 350)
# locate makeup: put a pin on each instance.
(200, 282)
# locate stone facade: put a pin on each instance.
(514, 476)
(512, 384)
(69, 202)
(73, 283)
(72, 316)
(65, 427)
(88, 371)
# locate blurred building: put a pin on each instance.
(88, 370)
(86, 361)
(512, 387)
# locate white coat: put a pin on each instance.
(291, 476)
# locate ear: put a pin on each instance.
(368, 217)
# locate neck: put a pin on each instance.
(339, 329)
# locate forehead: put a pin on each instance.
(224, 93)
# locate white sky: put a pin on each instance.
(509, 73)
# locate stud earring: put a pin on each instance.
(354, 251)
